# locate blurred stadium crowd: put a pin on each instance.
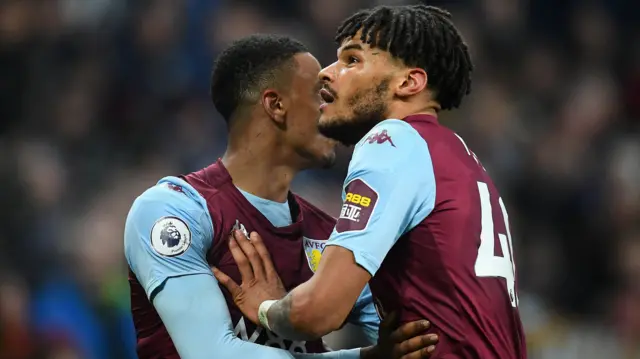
(101, 98)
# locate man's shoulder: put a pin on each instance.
(390, 134)
(389, 147)
(169, 203)
(171, 191)
(440, 139)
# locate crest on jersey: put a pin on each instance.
(170, 236)
(313, 249)
(240, 227)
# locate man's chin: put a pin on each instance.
(341, 136)
(328, 162)
(324, 161)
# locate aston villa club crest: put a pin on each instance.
(313, 249)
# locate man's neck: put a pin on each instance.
(255, 171)
(403, 109)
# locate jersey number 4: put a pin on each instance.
(487, 263)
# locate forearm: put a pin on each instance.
(195, 314)
(285, 325)
(282, 323)
(302, 316)
(322, 304)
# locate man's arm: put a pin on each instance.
(196, 316)
(167, 235)
(385, 194)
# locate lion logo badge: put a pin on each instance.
(313, 249)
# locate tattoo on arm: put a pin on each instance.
(279, 320)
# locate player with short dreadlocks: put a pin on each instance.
(420, 36)
(421, 219)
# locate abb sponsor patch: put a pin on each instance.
(359, 203)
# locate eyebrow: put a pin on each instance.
(352, 47)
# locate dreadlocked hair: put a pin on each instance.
(421, 36)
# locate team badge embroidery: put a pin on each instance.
(313, 249)
(170, 236)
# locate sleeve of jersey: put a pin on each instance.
(167, 234)
(196, 316)
(389, 189)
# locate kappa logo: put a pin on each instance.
(175, 187)
(380, 138)
(239, 226)
(313, 249)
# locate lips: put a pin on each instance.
(327, 97)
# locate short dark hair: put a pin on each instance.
(248, 66)
(422, 36)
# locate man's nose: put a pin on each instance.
(327, 74)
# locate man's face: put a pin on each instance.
(303, 112)
(356, 91)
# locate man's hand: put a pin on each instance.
(409, 341)
(260, 281)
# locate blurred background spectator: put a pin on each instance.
(101, 98)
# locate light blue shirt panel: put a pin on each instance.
(160, 201)
(401, 172)
(279, 214)
(365, 316)
(195, 314)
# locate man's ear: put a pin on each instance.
(274, 106)
(414, 81)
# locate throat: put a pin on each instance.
(260, 177)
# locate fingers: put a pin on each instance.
(418, 347)
(409, 330)
(258, 244)
(251, 253)
(390, 322)
(244, 266)
(226, 281)
(422, 353)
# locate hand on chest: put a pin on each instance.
(295, 256)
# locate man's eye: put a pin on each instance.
(352, 60)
